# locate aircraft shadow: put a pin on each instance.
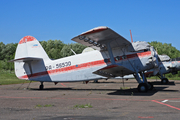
(159, 83)
(106, 82)
(134, 92)
(153, 82)
(71, 89)
(128, 92)
(102, 82)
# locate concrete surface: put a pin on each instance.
(109, 101)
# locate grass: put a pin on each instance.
(124, 88)
(170, 78)
(83, 106)
(9, 77)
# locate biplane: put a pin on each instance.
(166, 65)
(114, 56)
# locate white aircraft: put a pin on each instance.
(166, 65)
(114, 56)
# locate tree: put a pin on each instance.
(53, 48)
(2, 46)
(76, 47)
(166, 49)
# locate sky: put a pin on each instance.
(148, 20)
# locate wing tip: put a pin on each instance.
(94, 30)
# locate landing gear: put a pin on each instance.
(142, 87)
(41, 87)
(164, 81)
(96, 81)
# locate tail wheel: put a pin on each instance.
(164, 81)
(142, 87)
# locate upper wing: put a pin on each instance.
(113, 71)
(98, 37)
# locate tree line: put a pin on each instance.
(54, 48)
(166, 49)
(57, 49)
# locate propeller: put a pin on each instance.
(131, 37)
(155, 60)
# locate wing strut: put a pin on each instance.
(110, 53)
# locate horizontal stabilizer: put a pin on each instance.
(113, 71)
(25, 59)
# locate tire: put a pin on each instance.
(164, 81)
(142, 87)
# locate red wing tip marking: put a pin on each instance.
(27, 39)
(97, 29)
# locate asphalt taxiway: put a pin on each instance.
(109, 100)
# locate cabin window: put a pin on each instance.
(124, 57)
(105, 60)
(117, 58)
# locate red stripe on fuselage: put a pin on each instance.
(65, 69)
(82, 66)
(136, 55)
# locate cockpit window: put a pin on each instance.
(145, 50)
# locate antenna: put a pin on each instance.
(156, 50)
(131, 36)
(73, 52)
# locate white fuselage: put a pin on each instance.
(80, 67)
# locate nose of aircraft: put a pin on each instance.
(176, 64)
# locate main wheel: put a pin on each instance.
(142, 87)
(150, 86)
(164, 81)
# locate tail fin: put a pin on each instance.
(30, 58)
(30, 47)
